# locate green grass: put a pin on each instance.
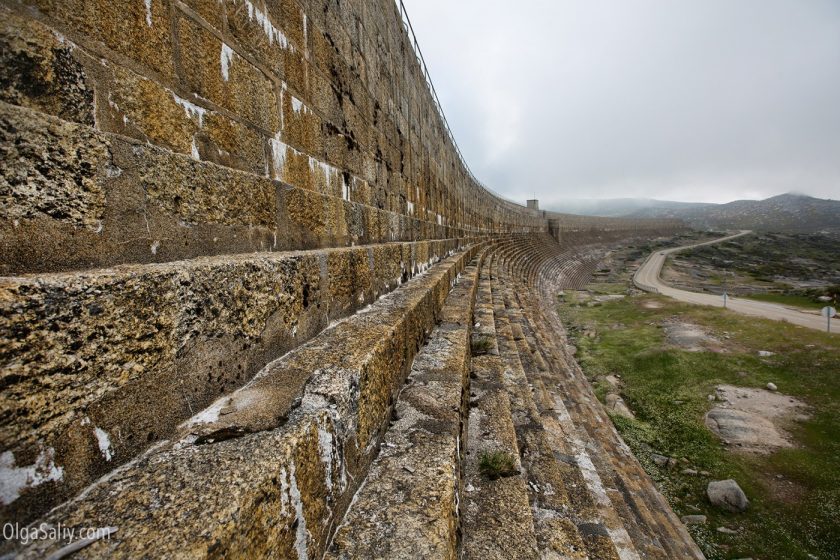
(607, 288)
(655, 374)
(481, 344)
(497, 464)
(789, 299)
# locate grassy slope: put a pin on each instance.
(805, 516)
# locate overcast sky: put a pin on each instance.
(693, 100)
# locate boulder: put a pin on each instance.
(660, 460)
(728, 495)
(618, 406)
(771, 387)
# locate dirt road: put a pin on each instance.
(647, 278)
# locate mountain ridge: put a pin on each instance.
(795, 212)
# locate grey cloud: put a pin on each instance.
(707, 100)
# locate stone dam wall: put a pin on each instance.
(230, 230)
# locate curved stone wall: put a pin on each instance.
(144, 131)
(191, 189)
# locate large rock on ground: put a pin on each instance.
(728, 495)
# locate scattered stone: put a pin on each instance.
(693, 519)
(660, 460)
(616, 404)
(771, 387)
(711, 398)
(672, 463)
(613, 381)
(726, 531)
(690, 472)
(692, 507)
(687, 336)
(409, 469)
(705, 473)
(754, 419)
(765, 353)
(728, 495)
(470, 488)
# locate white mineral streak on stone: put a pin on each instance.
(345, 190)
(297, 105)
(209, 414)
(325, 168)
(284, 492)
(410, 207)
(593, 481)
(305, 36)
(325, 443)
(148, 12)
(623, 544)
(191, 109)
(278, 156)
(13, 480)
(301, 537)
(154, 247)
(226, 58)
(194, 151)
(263, 21)
(104, 442)
(439, 219)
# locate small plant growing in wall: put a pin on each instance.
(481, 344)
(497, 464)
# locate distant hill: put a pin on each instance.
(615, 207)
(787, 212)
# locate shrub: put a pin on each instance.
(481, 344)
(497, 464)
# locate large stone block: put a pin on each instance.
(124, 356)
(256, 29)
(140, 31)
(301, 125)
(39, 69)
(160, 206)
(350, 280)
(212, 11)
(51, 169)
(214, 71)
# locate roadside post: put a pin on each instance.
(828, 312)
(724, 300)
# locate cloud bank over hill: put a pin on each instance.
(694, 101)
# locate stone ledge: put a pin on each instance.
(279, 491)
(97, 366)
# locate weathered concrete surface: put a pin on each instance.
(497, 521)
(129, 353)
(408, 506)
(220, 495)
